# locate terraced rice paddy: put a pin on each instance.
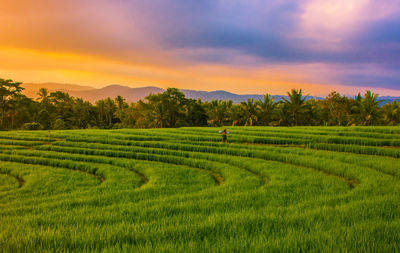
(269, 189)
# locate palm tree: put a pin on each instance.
(355, 109)
(159, 116)
(8, 89)
(154, 113)
(106, 109)
(121, 108)
(250, 112)
(295, 106)
(313, 114)
(45, 108)
(84, 114)
(266, 109)
(366, 110)
(63, 105)
(195, 113)
(43, 94)
(219, 112)
(138, 114)
(110, 109)
(391, 113)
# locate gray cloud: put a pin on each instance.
(270, 32)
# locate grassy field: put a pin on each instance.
(270, 189)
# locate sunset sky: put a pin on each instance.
(242, 46)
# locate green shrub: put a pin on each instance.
(32, 126)
(59, 124)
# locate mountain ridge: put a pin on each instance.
(135, 94)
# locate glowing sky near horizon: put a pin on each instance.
(242, 46)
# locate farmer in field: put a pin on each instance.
(224, 133)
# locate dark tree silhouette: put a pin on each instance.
(58, 110)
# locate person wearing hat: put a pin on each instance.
(224, 139)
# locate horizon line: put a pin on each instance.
(361, 90)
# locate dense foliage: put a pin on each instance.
(311, 189)
(58, 110)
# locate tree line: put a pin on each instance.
(58, 110)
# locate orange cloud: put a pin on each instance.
(38, 66)
(102, 42)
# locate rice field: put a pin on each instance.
(311, 189)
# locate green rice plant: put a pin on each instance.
(357, 149)
(280, 189)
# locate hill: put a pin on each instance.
(92, 94)
(388, 99)
(112, 91)
(134, 94)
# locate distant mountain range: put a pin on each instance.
(92, 94)
(388, 99)
(134, 94)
